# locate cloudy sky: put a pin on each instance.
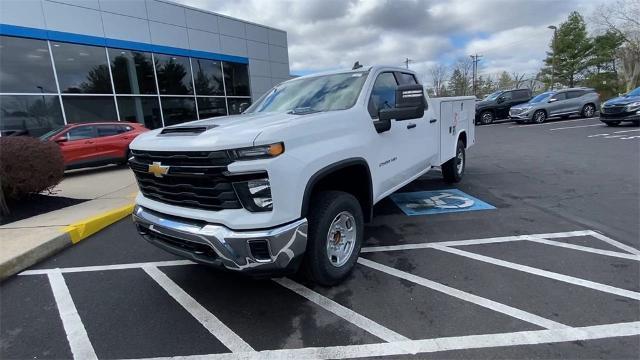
(512, 35)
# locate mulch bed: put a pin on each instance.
(36, 205)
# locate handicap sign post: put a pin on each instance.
(438, 202)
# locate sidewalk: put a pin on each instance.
(110, 191)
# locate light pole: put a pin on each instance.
(553, 60)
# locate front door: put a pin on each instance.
(558, 104)
(78, 145)
(400, 154)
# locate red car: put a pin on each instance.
(94, 144)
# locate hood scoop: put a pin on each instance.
(185, 130)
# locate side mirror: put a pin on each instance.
(500, 100)
(382, 125)
(410, 104)
(553, 100)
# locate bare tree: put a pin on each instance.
(623, 18)
(439, 74)
(517, 79)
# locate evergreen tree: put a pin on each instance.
(457, 83)
(505, 81)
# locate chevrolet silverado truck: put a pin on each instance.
(291, 181)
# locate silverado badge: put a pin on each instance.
(157, 169)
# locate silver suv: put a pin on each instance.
(564, 103)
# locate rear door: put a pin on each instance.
(79, 146)
(574, 101)
(112, 140)
(502, 109)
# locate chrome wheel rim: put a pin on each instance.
(460, 162)
(589, 110)
(486, 118)
(341, 239)
(539, 117)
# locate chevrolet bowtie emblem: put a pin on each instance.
(158, 170)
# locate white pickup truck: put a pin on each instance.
(293, 179)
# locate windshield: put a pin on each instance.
(51, 133)
(493, 96)
(320, 93)
(634, 92)
(540, 98)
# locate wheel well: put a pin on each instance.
(594, 105)
(351, 176)
(543, 110)
(463, 137)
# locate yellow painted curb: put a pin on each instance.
(89, 226)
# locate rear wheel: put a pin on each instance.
(612, 123)
(453, 170)
(539, 117)
(336, 227)
(588, 110)
(486, 118)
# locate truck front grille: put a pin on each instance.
(189, 179)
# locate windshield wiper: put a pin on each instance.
(303, 111)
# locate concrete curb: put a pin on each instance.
(69, 235)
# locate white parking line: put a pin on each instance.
(216, 327)
(435, 345)
(351, 316)
(587, 249)
(79, 342)
(108, 267)
(544, 273)
(625, 131)
(462, 295)
(615, 243)
(553, 123)
(575, 127)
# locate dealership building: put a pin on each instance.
(149, 61)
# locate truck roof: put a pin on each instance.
(362, 69)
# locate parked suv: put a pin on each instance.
(622, 108)
(94, 144)
(497, 105)
(576, 101)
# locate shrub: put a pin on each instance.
(28, 165)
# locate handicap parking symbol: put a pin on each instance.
(438, 202)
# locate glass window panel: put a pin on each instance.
(81, 109)
(174, 75)
(142, 109)
(383, 94)
(81, 68)
(238, 105)
(177, 110)
(236, 79)
(81, 132)
(29, 114)
(25, 66)
(132, 72)
(211, 107)
(207, 75)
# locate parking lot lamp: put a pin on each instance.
(553, 47)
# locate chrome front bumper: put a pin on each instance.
(218, 245)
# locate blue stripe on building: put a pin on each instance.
(34, 33)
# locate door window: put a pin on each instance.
(406, 79)
(507, 96)
(574, 94)
(383, 95)
(560, 96)
(109, 130)
(80, 132)
(521, 94)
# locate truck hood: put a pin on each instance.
(224, 132)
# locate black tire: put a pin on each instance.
(486, 117)
(588, 111)
(539, 117)
(326, 206)
(451, 171)
(612, 123)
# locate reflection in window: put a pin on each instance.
(238, 105)
(383, 95)
(81, 109)
(144, 110)
(207, 75)
(29, 114)
(177, 110)
(174, 75)
(81, 132)
(132, 72)
(236, 79)
(81, 68)
(211, 107)
(26, 66)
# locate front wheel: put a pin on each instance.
(453, 170)
(486, 118)
(336, 227)
(539, 117)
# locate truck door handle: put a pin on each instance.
(411, 126)
(432, 121)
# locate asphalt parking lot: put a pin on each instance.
(552, 272)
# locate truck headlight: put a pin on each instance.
(258, 152)
(633, 106)
(255, 195)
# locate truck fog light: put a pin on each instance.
(255, 195)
